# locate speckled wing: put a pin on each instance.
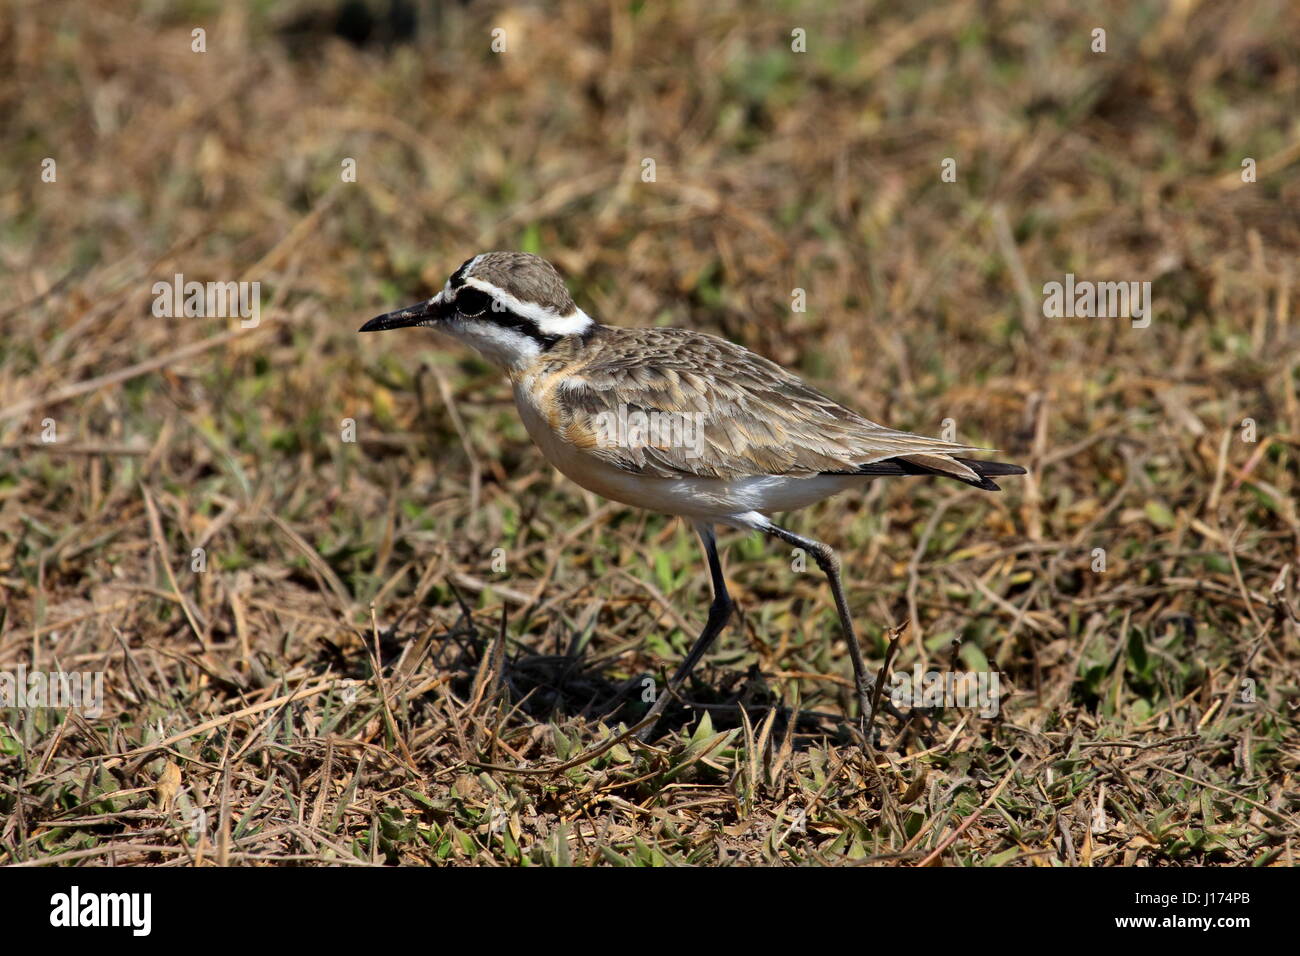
(753, 417)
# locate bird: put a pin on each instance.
(679, 422)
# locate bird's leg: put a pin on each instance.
(826, 559)
(719, 612)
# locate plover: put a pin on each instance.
(677, 421)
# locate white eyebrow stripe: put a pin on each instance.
(546, 320)
(575, 322)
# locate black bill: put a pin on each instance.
(419, 314)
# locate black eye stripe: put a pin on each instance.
(472, 301)
(512, 320)
(477, 304)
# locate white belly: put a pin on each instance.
(739, 502)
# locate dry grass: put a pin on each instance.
(261, 712)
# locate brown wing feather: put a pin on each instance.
(757, 418)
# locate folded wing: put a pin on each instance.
(724, 412)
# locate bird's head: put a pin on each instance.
(510, 306)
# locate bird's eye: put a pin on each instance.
(472, 302)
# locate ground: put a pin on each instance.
(344, 611)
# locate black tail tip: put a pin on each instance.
(992, 467)
(989, 469)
